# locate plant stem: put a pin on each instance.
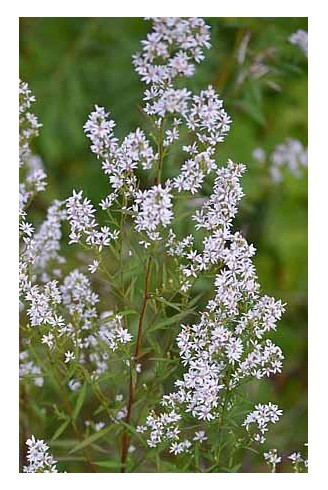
(132, 384)
(160, 154)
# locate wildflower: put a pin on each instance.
(69, 356)
(295, 457)
(290, 154)
(272, 459)
(28, 123)
(261, 416)
(99, 426)
(74, 384)
(38, 458)
(28, 369)
(153, 208)
(93, 267)
(48, 340)
(181, 447)
(300, 38)
(190, 36)
(200, 436)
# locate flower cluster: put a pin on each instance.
(28, 123)
(193, 172)
(171, 49)
(111, 330)
(119, 161)
(299, 463)
(153, 208)
(64, 310)
(260, 417)
(28, 369)
(272, 458)
(42, 248)
(229, 342)
(39, 460)
(300, 38)
(80, 214)
(207, 118)
(290, 154)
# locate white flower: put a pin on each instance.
(123, 335)
(93, 267)
(153, 208)
(69, 356)
(99, 426)
(300, 38)
(259, 155)
(291, 154)
(185, 37)
(296, 457)
(200, 436)
(261, 416)
(272, 458)
(74, 384)
(29, 369)
(39, 461)
(48, 339)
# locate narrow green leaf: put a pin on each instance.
(233, 469)
(197, 455)
(91, 439)
(194, 300)
(80, 400)
(173, 319)
(109, 464)
(60, 429)
(175, 306)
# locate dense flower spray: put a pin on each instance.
(226, 344)
(230, 341)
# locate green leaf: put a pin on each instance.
(195, 299)
(233, 469)
(60, 429)
(159, 299)
(109, 464)
(173, 319)
(79, 401)
(197, 455)
(91, 439)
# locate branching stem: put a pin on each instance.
(132, 384)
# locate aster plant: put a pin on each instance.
(150, 346)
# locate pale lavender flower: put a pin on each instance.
(69, 356)
(93, 267)
(261, 417)
(39, 460)
(272, 458)
(300, 39)
(200, 436)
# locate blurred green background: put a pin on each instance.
(73, 63)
